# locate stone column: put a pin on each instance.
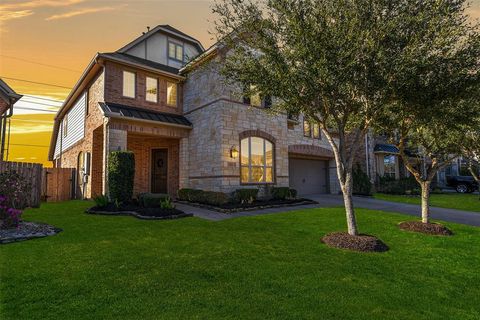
(114, 140)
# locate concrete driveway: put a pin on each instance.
(452, 215)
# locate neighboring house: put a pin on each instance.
(161, 97)
(8, 97)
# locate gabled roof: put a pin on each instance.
(133, 113)
(165, 28)
(7, 93)
(136, 60)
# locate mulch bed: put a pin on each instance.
(427, 228)
(139, 212)
(256, 205)
(362, 242)
(27, 231)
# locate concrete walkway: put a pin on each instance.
(328, 200)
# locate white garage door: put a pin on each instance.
(308, 176)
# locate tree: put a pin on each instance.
(435, 88)
(323, 59)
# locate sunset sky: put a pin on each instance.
(52, 41)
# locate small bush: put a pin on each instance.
(101, 201)
(402, 186)
(215, 198)
(361, 182)
(121, 171)
(283, 193)
(246, 195)
(152, 200)
(167, 203)
(184, 194)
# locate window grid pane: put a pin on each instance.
(256, 160)
(307, 131)
(172, 94)
(179, 53)
(151, 89)
(129, 84)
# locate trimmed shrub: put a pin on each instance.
(121, 171)
(283, 193)
(167, 204)
(152, 200)
(101, 201)
(246, 195)
(361, 182)
(215, 198)
(402, 186)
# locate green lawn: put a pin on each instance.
(262, 267)
(468, 202)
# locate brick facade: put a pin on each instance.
(114, 89)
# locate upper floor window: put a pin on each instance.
(128, 84)
(175, 51)
(256, 99)
(307, 129)
(256, 160)
(311, 129)
(151, 87)
(171, 94)
(65, 126)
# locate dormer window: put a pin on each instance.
(175, 51)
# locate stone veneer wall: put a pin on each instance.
(94, 120)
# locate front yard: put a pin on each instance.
(467, 202)
(262, 267)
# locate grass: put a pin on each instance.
(261, 267)
(467, 202)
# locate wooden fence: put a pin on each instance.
(32, 172)
(48, 184)
(58, 184)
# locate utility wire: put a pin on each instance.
(41, 83)
(25, 108)
(35, 121)
(28, 145)
(41, 104)
(39, 63)
(39, 98)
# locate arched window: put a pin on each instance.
(256, 160)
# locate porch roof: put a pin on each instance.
(386, 148)
(133, 113)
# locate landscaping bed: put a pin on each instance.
(27, 231)
(233, 207)
(362, 242)
(427, 228)
(139, 212)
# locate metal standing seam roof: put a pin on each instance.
(142, 114)
(387, 148)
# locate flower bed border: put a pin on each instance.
(32, 236)
(241, 209)
(137, 215)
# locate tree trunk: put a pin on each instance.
(349, 210)
(425, 201)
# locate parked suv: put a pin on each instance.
(463, 184)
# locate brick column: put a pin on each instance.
(183, 163)
(114, 140)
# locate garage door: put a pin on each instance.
(308, 176)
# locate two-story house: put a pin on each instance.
(161, 96)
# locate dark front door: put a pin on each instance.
(159, 170)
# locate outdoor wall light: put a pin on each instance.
(233, 152)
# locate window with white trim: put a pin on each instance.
(128, 84)
(256, 161)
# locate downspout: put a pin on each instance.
(4, 130)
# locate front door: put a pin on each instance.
(159, 171)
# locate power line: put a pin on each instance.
(41, 104)
(25, 108)
(39, 63)
(39, 98)
(28, 145)
(41, 83)
(35, 121)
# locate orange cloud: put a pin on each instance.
(79, 12)
(10, 15)
(38, 3)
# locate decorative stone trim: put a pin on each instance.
(310, 150)
(257, 133)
